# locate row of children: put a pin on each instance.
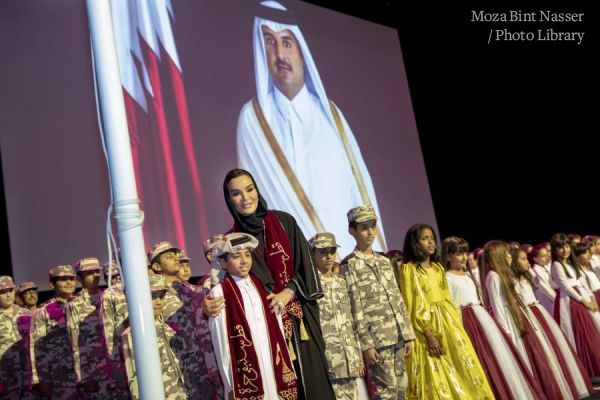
(80, 346)
(418, 332)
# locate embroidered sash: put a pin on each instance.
(247, 382)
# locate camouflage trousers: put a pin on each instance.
(345, 388)
(66, 393)
(107, 392)
(389, 374)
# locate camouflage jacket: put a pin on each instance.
(342, 350)
(182, 304)
(114, 316)
(173, 379)
(50, 345)
(90, 354)
(14, 360)
(378, 308)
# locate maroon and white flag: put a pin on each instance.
(157, 116)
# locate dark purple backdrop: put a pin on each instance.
(55, 176)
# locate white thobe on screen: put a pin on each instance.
(255, 315)
(316, 155)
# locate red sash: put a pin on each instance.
(247, 382)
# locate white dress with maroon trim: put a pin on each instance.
(525, 291)
(592, 284)
(546, 288)
(595, 264)
(501, 312)
(464, 293)
(567, 287)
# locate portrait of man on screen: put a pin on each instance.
(294, 139)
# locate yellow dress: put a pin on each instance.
(457, 374)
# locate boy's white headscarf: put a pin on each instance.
(230, 243)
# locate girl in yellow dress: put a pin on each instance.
(443, 364)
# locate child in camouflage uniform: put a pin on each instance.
(173, 379)
(180, 312)
(14, 328)
(185, 269)
(53, 371)
(342, 350)
(27, 292)
(379, 312)
(114, 322)
(85, 327)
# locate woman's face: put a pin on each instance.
(458, 260)
(243, 195)
(427, 242)
(522, 261)
(584, 258)
(542, 257)
(563, 252)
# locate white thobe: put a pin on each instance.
(316, 155)
(254, 311)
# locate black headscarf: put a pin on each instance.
(252, 224)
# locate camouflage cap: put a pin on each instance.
(210, 243)
(362, 213)
(160, 248)
(322, 240)
(234, 242)
(88, 264)
(183, 257)
(115, 268)
(157, 283)
(6, 282)
(26, 286)
(62, 270)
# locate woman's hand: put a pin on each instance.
(280, 300)
(212, 306)
(435, 348)
(589, 305)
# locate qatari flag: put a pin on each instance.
(158, 118)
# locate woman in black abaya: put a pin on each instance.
(283, 263)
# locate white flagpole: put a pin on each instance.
(126, 206)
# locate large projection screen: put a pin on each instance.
(193, 75)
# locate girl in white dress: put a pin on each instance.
(594, 242)
(545, 289)
(548, 330)
(574, 306)
(511, 315)
(505, 370)
(581, 258)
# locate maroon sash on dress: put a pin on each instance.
(247, 382)
(279, 258)
(586, 336)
